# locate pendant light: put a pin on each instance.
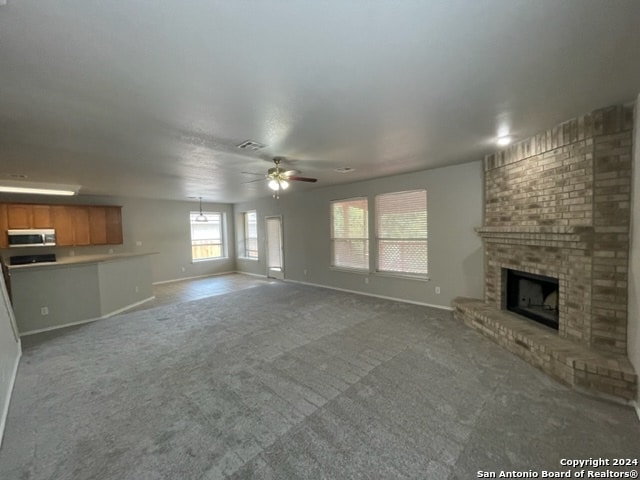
(201, 217)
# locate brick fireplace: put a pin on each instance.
(557, 206)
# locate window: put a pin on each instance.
(207, 238)
(401, 232)
(250, 235)
(350, 233)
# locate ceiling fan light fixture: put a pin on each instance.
(278, 179)
(274, 185)
(504, 140)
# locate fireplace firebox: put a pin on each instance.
(533, 296)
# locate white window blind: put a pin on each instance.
(207, 237)
(401, 232)
(350, 233)
(274, 243)
(251, 235)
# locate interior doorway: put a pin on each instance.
(275, 255)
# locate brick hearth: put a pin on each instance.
(558, 205)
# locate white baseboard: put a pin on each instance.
(123, 309)
(396, 299)
(182, 279)
(251, 274)
(88, 320)
(12, 382)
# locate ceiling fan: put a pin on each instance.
(278, 178)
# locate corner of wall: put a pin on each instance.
(12, 380)
(633, 319)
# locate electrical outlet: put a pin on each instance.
(72, 253)
(437, 290)
(137, 288)
(110, 250)
(138, 243)
(305, 272)
(366, 280)
(184, 269)
(44, 310)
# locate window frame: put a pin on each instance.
(247, 238)
(367, 244)
(382, 239)
(223, 236)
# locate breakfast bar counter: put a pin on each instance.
(80, 289)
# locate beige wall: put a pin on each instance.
(161, 226)
(633, 328)
(454, 196)
(9, 354)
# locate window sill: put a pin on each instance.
(350, 270)
(200, 260)
(404, 276)
(250, 259)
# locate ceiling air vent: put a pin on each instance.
(251, 145)
(345, 169)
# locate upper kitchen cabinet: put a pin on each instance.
(105, 224)
(4, 241)
(75, 225)
(71, 224)
(63, 222)
(114, 225)
(41, 216)
(98, 225)
(24, 215)
(81, 225)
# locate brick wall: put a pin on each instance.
(558, 204)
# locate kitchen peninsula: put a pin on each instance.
(80, 289)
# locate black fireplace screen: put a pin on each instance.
(533, 296)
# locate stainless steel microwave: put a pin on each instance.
(43, 237)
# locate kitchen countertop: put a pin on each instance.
(79, 259)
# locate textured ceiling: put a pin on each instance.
(150, 99)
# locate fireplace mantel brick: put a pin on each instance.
(603, 374)
(558, 204)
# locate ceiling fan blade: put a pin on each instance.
(296, 178)
(253, 181)
(253, 173)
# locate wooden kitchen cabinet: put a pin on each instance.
(19, 216)
(105, 224)
(75, 225)
(81, 228)
(41, 216)
(114, 225)
(98, 225)
(71, 224)
(24, 215)
(4, 241)
(63, 223)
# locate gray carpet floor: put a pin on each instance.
(286, 381)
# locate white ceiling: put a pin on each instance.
(150, 99)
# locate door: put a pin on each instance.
(275, 261)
